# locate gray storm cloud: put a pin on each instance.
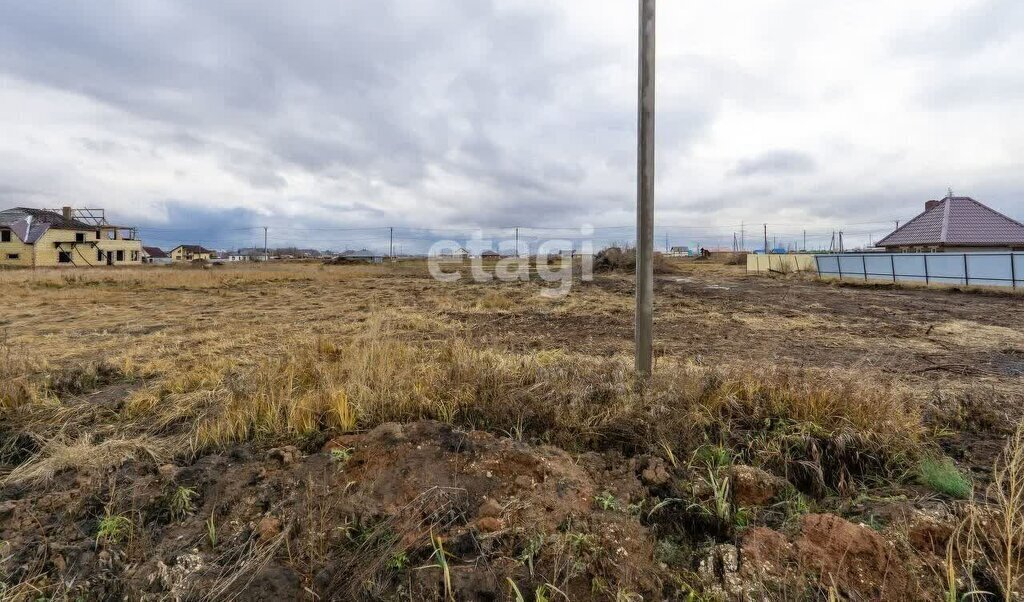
(489, 113)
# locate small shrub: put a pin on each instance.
(341, 455)
(714, 456)
(615, 259)
(399, 561)
(181, 502)
(606, 501)
(114, 528)
(943, 476)
(736, 259)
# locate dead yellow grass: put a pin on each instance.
(579, 402)
(988, 542)
(86, 454)
(220, 357)
(978, 336)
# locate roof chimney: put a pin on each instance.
(929, 205)
(67, 214)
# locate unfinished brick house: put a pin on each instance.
(71, 238)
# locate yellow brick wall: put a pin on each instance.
(46, 250)
(82, 253)
(15, 247)
(128, 246)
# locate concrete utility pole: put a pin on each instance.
(266, 253)
(391, 253)
(517, 242)
(766, 239)
(645, 194)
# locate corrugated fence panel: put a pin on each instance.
(851, 266)
(910, 268)
(975, 269)
(879, 268)
(827, 265)
(946, 268)
(989, 270)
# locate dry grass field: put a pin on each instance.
(366, 432)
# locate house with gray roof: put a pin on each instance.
(956, 224)
(362, 255)
(31, 237)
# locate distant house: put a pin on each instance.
(362, 255)
(956, 224)
(562, 253)
(459, 253)
(155, 255)
(253, 254)
(490, 255)
(191, 253)
(679, 252)
(83, 238)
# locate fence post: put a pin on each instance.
(892, 260)
(839, 266)
(925, 268)
(864, 261)
(967, 277)
(1013, 271)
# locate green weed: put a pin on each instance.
(114, 528)
(942, 475)
(211, 531)
(440, 558)
(341, 455)
(606, 501)
(181, 502)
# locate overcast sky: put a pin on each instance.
(461, 113)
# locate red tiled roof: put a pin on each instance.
(957, 221)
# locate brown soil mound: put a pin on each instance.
(416, 511)
(829, 553)
(366, 517)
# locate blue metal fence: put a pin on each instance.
(976, 269)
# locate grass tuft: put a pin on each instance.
(182, 502)
(942, 475)
(114, 528)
